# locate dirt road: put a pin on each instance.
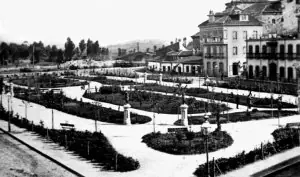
(16, 160)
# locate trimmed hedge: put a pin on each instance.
(203, 93)
(100, 150)
(187, 143)
(149, 101)
(285, 139)
(78, 108)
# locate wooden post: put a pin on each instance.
(66, 141)
(214, 168)
(88, 148)
(47, 134)
(31, 125)
(262, 151)
(116, 162)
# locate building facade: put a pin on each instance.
(273, 58)
(224, 41)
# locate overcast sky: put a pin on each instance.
(108, 21)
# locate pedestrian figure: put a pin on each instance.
(237, 100)
(222, 76)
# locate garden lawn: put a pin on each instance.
(78, 108)
(47, 81)
(187, 143)
(203, 93)
(148, 101)
(239, 117)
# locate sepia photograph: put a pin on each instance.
(150, 88)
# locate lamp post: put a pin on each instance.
(96, 118)
(205, 129)
(26, 104)
(8, 103)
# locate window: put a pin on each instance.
(273, 21)
(169, 68)
(225, 34)
(264, 49)
(244, 50)
(250, 49)
(234, 35)
(245, 35)
(298, 49)
(235, 51)
(244, 18)
(255, 34)
(257, 49)
(187, 69)
(290, 49)
(164, 68)
(297, 1)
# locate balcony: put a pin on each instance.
(274, 56)
(215, 56)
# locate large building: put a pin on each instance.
(274, 57)
(241, 19)
(224, 41)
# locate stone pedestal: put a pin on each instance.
(160, 79)
(127, 120)
(184, 114)
(145, 78)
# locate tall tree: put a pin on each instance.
(96, 48)
(89, 45)
(82, 46)
(154, 48)
(69, 49)
(60, 57)
(53, 53)
(4, 52)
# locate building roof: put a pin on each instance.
(232, 20)
(187, 60)
(196, 35)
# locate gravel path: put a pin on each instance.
(19, 161)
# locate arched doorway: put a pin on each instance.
(282, 72)
(215, 69)
(179, 69)
(290, 74)
(273, 72)
(250, 71)
(264, 72)
(235, 68)
(257, 71)
(208, 68)
(221, 67)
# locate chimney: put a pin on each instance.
(211, 16)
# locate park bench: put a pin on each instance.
(67, 126)
(293, 125)
(177, 130)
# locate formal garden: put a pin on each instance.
(47, 81)
(148, 101)
(166, 78)
(284, 139)
(62, 103)
(103, 80)
(180, 143)
(239, 116)
(92, 146)
(223, 97)
(258, 86)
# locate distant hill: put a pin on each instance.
(143, 45)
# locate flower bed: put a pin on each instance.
(47, 81)
(79, 108)
(284, 139)
(203, 93)
(239, 117)
(170, 79)
(91, 146)
(104, 80)
(187, 143)
(147, 101)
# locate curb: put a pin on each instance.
(43, 154)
